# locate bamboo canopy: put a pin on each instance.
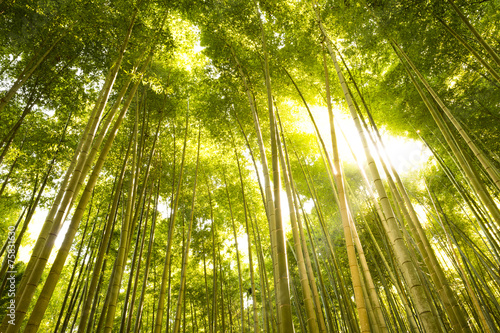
(264, 166)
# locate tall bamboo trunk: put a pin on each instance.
(483, 323)
(269, 199)
(133, 272)
(140, 304)
(310, 272)
(100, 259)
(285, 322)
(370, 285)
(166, 266)
(136, 214)
(451, 305)
(51, 226)
(70, 283)
(213, 317)
(63, 252)
(125, 232)
(238, 262)
(136, 278)
(403, 256)
(266, 306)
(221, 279)
(312, 321)
(82, 281)
(249, 243)
(348, 311)
(180, 298)
(351, 252)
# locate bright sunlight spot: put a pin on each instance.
(406, 155)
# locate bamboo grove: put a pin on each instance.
(226, 166)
